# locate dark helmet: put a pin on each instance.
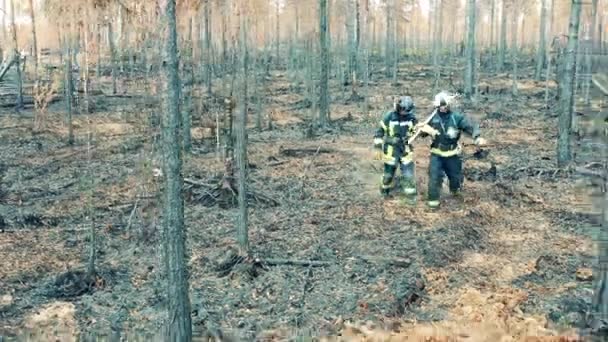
(404, 102)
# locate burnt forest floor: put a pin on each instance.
(513, 257)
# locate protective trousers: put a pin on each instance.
(452, 167)
(407, 181)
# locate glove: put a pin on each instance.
(378, 155)
(378, 143)
(479, 141)
(429, 130)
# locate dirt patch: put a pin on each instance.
(448, 242)
(55, 321)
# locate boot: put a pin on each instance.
(457, 195)
(433, 204)
(385, 192)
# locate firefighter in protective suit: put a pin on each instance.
(390, 141)
(445, 129)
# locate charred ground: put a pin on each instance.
(514, 248)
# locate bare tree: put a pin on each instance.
(566, 85)
(17, 57)
(503, 36)
(514, 50)
(324, 61)
(470, 50)
(208, 75)
(69, 87)
(179, 325)
(34, 43)
(590, 51)
(542, 41)
(113, 56)
(241, 145)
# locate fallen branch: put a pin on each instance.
(311, 263)
(300, 152)
(195, 182)
(586, 172)
(11, 127)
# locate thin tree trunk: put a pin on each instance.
(208, 75)
(548, 57)
(179, 324)
(85, 69)
(394, 50)
(277, 32)
(68, 88)
(436, 43)
(470, 50)
(241, 148)
(566, 100)
(492, 17)
(34, 43)
(599, 307)
(98, 42)
(388, 40)
(324, 61)
(351, 34)
(590, 51)
(514, 52)
(367, 47)
(188, 67)
(542, 42)
(4, 34)
(113, 57)
(503, 36)
(17, 55)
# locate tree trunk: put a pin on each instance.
(388, 41)
(503, 36)
(590, 50)
(542, 42)
(436, 46)
(4, 35)
(241, 148)
(366, 48)
(225, 17)
(208, 75)
(17, 55)
(98, 64)
(324, 61)
(68, 88)
(566, 91)
(492, 16)
(85, 69)
(34, 43)
(394, 49)
(188, 67)
(113, 57)
(600, 296)
(278, 34)
(179, 325)
(470, 50)
(548, 57)
(351, 26)
(514, 52)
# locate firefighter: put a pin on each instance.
(390, 140)
(445, 129)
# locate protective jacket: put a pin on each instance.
(395, 129)
(450, 125)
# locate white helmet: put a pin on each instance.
(443, 99)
